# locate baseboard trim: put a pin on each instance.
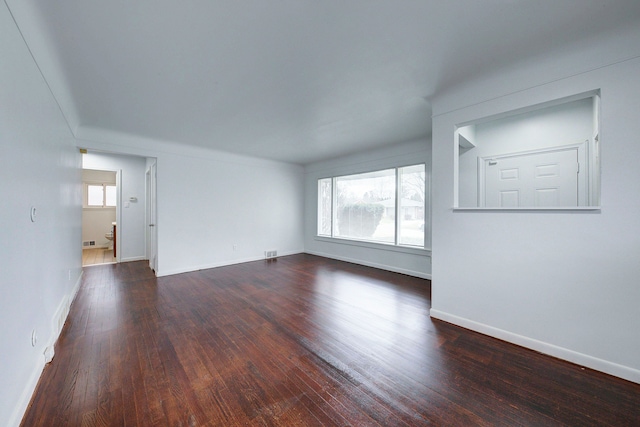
(385, 267)
(59, 319)
(133, 258)
(27, 393)
(84, 248)
(162, 273)
(57, 323)
(611, 368)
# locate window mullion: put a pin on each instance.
(334, 199)
(397, 219)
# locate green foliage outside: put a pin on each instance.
(359, 219)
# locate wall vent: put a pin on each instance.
(89, 243)
(270, 254)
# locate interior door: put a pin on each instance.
(152, 233)
(548, 178)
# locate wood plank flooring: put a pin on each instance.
(300, 341)
(97, 256)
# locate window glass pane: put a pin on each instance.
(324, 207)
(412, 194)
(95, 195)
(110, 199)
(365, 206)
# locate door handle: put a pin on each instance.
(152, 225)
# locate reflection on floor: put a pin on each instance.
(97, 256)
(301, 341)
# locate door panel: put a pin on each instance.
(510, 199)
(547, 197)
(538, 179)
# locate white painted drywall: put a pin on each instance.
(565, 124)
(132, 221)
(96, 222)
(564, 283)
(40, 261)
(215, 208)
(411, 261)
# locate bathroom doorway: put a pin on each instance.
(99, 216)
(129, 240)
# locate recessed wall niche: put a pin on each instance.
(545, 156)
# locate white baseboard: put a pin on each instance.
(393, 269)
(57, 322)
(611, 368)
(133, 258)
(27, 392)
(60, 317)
(219, 264)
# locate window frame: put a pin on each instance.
(85, 195)
(395, 245)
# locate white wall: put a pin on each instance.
(564, 283)
(96, 222)
(415, 262)
(215, 208)
(132, 224)
(40, 261)
(569, 123)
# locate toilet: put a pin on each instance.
(109, 237)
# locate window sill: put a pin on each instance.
(567, 209)
(375, 245)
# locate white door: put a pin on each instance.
(544, 178)
(152, 234)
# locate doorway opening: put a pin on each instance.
(133, 230)
(99, 216)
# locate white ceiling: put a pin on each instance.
(292, 80)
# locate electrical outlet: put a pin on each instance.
(235, 247)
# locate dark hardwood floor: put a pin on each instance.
(300, 341)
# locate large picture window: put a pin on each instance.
(385, 206)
